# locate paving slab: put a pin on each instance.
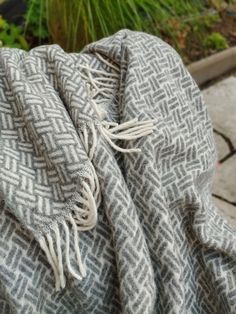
(228, 209)
(220, 99)
(224, 180)
(221, 102)
(221, 146)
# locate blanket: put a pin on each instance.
(106, 165)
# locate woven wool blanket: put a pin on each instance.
(106, 165)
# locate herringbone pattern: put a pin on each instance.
(159, 246)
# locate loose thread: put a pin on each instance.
(130, 130)
(46, 249)
(55, 258)
(60, 262)
(111, 65)
(67, 253)
(77, 250)
(94, 142)
(51, 248)
(86, 219)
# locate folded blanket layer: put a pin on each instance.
(106, 165)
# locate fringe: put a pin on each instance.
(105, 84)
(83, 215)
(52, 246)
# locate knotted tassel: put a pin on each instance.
(83, 216)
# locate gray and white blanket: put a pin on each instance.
(106, 165)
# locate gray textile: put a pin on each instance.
(159, 244)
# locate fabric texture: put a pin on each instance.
(106, 165)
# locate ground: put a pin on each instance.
(221, 102)
(193, 48)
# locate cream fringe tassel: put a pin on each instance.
(105, 84)
(83, 216)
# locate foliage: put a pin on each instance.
(218, 4)
(183, 32)
(216, 42)
(11, 35)
(35, 19)
(74, 23)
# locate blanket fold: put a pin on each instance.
(106, 165)
(60, 187)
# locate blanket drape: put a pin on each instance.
(106, 165)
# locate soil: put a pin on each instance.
(227, 27)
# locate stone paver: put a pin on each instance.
(221, 145)
(221, 102)
(225, 180)
(227, 209)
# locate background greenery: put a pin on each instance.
(189, 26)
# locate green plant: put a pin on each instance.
(74, 23)
(200, 25)
(218, 4)
(11, 35)
(216, 42)
(35, 20)
(189, 30)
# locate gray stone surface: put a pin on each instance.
(228, 209)
(221, 102)
(221, 145)
(224, 180)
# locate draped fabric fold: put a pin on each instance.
(106, 165)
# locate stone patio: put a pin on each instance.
(221, 102)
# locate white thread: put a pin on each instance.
(95, 108)
(130, 134)
(118, 148)
(89, 220)
(133, 122)
(115, 75)
(106, 92)
(77, 250)
(45, 248)
(107, 62)
(94, 142)
(51, 248)
(87, 202)
(97, 187)
(91, 203)
(70, 269)
(85, 138)
(129, 130)
(91, 180)
(81, 218)
(59, 253)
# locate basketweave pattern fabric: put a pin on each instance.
(159, 245)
